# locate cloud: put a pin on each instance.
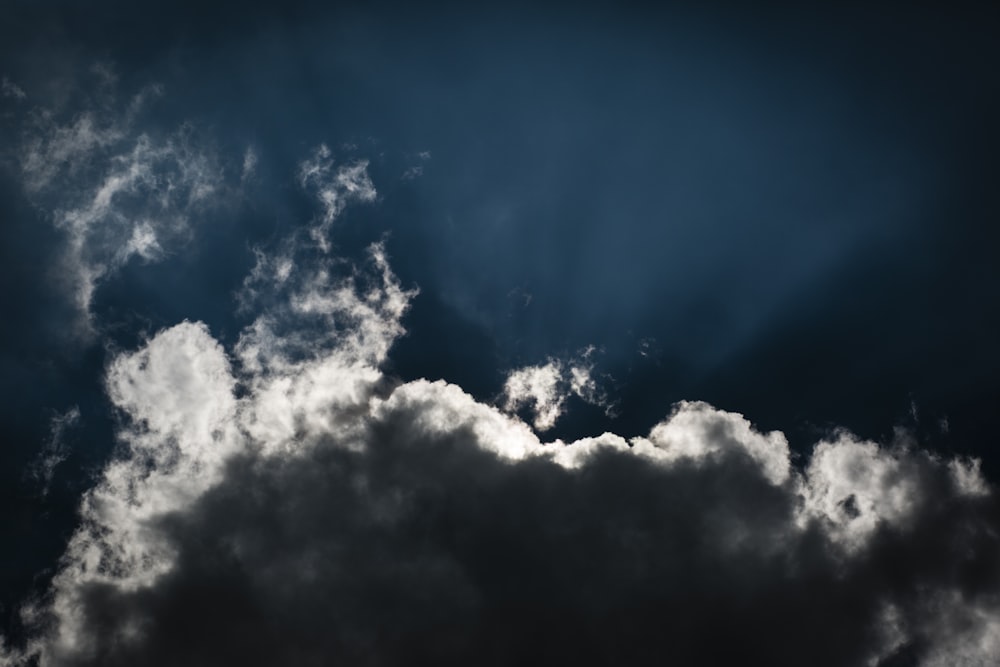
(54, 450)
(537, 387)
(415, 171)
(250, 160)
(285, 502)
(412, 173)
(334, 187)
(544, 389)
(10, 89)
(117, 192)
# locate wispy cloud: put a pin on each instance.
(54, 451)
(335, 187)
(249, 164)
(116, 191)
(415, 171)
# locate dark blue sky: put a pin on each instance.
(788, 207)
(786, 212)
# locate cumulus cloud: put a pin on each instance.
(284, 501)
(412, 173)
(117, 192)
(544, 389)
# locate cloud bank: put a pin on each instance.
(284, 501)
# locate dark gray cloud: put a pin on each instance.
(425, 549)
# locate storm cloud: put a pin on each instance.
(283, 388)
(287, 502)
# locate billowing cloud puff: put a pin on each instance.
(284, 502)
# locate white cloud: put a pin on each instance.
(116, 192)
(855, 487)
(54, 451)
(696, 431)
(301, 380)
(537, 387)
(55, 148)
(441, 409)
(544, 389)
(178, 394)
(250, 160)
(143, 200)
(335, 188)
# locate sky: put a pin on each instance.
(381, 334)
